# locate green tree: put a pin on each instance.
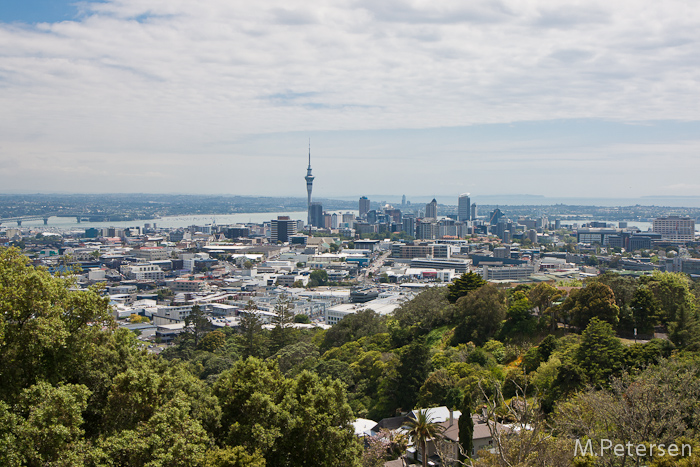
(50, 430)
(296, 357)
(421, 429)
(213, 341)
(320, 426)
(170, 437)
(480, 315)
(547, 347)
(543, 295)
(318, 277)
(148, 385)
(645, 309)
(302, 318)
(463, 285)
(653, 406)
(353, 327)
(600, 354)
(136, 319)
(252, 340)
(437, 388)
(466, 429)
(46, 329)
(235, 456)
(290, 420)
(596, 300)
(164, 294)
(282, 319)
(428, 310)
(399, 389)
(623, 287)
(519, 319)
(413, 369)
(684, 330)
(196, 324)
(672, 292)
(249, 398)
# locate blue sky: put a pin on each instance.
(37, 11)
(402, 96)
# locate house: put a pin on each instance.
(444, 449)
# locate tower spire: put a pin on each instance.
(309, 185)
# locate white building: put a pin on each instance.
(141, 272)
(505, 273)
(151, 253)
(675, 228)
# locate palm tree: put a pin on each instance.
(423, 428)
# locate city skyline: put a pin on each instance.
(488, 98)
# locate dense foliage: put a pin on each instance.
(76, 391)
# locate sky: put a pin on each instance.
(428, 98)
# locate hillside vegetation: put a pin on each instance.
(76, 391)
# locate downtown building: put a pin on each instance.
(675, 228)
(363, 207)
(431, 209)
(282, 229)
(464, 208)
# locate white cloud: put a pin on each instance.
(168, 80)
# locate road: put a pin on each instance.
(375, 266)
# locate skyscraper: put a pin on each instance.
(364, 206)
(309, 185)
(282, 229)
(431, 209)
(495, 215)
(464, 207)
(316, 214)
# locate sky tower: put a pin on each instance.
(309, 185)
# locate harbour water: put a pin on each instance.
(71, 223)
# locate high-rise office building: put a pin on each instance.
(364, 206)
(431, 209)
(675, 228)
(282, 228)
(409, 225)
(393, 215)
(372, 217)
(495, 216)
(426, 230)
(316, 214)
(464, 207)
(309, 185)
(474, 211)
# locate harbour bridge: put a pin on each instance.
(45, 217)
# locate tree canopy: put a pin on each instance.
(596, 300)
(463, 285)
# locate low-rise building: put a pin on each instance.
(143, 271)
(502, 273)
